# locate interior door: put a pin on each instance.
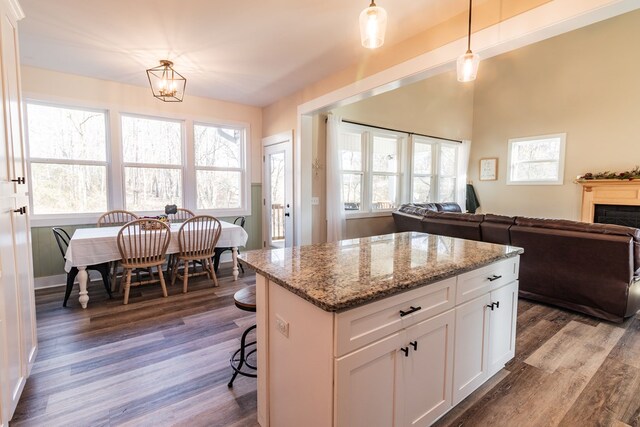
(277, 190)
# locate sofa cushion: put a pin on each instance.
(455, 216)
(611, 229)
(461, 225)
(448, 207)
(495, 228)
(417, 208)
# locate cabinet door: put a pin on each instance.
(365, 384)
(426, 370)
(471, 347)
(502, 327)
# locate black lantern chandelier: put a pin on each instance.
(166, 83)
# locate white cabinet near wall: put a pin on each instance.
(18, 339)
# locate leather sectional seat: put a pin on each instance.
(590, 268)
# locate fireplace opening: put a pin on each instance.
(628, 216)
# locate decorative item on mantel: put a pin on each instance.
(626, 175)
(166, 83)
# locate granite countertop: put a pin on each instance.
(341, 275)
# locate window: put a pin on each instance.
(152, 159)
(536, 160)
(220, 166)
(370, 162)
(67, 159)
(434, 170)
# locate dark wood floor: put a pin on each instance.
(164, 361)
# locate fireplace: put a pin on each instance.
(628, 216)
(618, 200)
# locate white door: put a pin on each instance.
(277, 191)
(426, 370)
(502, 326)
(365, 383)
(471, 347)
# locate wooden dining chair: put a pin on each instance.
(181, 215)
(114, 218)
(197, 239)
(143, 244)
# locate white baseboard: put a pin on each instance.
(50, 281)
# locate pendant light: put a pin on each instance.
(373, 25)
(468, 63)
(166, 83)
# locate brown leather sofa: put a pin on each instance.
(590, 268)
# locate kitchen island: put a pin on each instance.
(389, 330)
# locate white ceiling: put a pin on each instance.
(251, 52)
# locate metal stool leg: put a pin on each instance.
(242, 360)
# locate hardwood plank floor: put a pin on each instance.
(164, 361)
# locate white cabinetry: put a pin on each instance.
(18, 339)
(404, 360)
(485, 338)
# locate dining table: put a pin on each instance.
(97, 245)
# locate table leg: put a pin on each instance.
(234, 256)
(83, 278)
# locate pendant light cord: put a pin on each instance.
(469, 33)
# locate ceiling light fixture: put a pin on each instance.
(166, 83)
(469, 62)
(373, 25)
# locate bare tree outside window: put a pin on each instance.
(219, 163)
(152, 155)
(67, 154)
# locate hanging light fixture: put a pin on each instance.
(373, 25)
(166, 83)
(469, 62)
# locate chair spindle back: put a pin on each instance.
(143, 247)
(114, 218)
(198, 237)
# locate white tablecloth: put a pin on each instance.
(90, 246)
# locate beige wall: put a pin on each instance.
(438, 106)
(71, 89)
(281, 115)
(584, 83)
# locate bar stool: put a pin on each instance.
(245, 299)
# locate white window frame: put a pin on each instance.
(245, 186)
(436, 144)
(125, 164)
(560, 161)
(115, 165)
(366, 137)
(62, 218)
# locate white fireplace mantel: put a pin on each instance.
(607, 192)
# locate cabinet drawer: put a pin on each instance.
(485, 279)
(360, 326)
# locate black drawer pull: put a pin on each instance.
(412, 310)
(405, 350)
(19, 180)
(491, 306)
(494, 277)
(414, 344)
(498, 304)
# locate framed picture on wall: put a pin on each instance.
(489, 169)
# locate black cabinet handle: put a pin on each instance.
(498, 304)
(412, 310)
(405, 350)
(19, 180)
(491, 306)
(21, 211)
(414, 344)
(287, 214)
(494, 277)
